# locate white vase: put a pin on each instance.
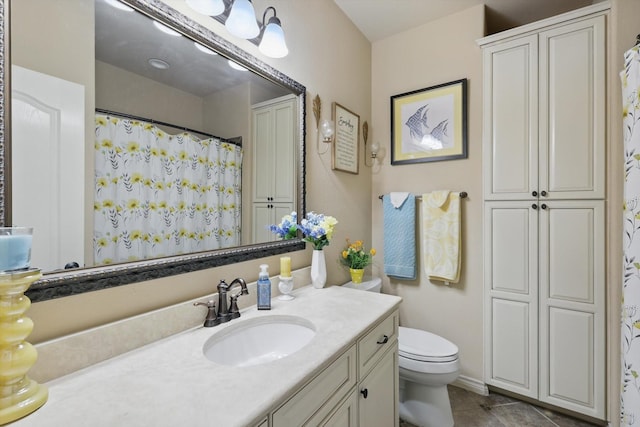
(318, 269)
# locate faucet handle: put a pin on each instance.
(211, 319)
(233, 310)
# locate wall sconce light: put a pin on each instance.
(373, 149)
(239, 17)
(272, 43)
(324, 127)
(326, 130)
(242, 20)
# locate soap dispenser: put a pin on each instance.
(264, 288)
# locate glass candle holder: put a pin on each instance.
(15, 248)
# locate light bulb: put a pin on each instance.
(242, 20)
(273, 44)
(374, 149)
(326, 129)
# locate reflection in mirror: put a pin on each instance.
(131, 145)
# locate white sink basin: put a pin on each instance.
(259, 340)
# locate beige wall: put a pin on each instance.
(435, 53)
(126, 92)
(331, 58)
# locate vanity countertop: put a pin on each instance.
(171, 383)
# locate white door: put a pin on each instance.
(511, 296)
(572, 306)
(572, 110)
(47, 159)
(510, 128)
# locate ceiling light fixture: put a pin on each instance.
(236, 66)
(272, 43)
(204, 49)
(207, 7)
(118, 5)
(158, 63)
(242, 20)
(166, 29)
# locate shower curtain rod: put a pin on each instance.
(157, 122)
(463, 195)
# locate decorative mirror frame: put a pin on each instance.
(66, 283)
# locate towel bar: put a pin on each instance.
(463, 195)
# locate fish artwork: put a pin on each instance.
(416, 121)
(441, 130)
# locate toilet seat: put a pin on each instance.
(423, 346)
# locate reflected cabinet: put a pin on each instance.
(544, 169)
(274, 160)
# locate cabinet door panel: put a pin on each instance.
(572, 306)
(572, 118)
(380, 406)
(571, 361)
(511, 239)
(510, 121)
(513, 347)
(284, 155)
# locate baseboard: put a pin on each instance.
(471, 384)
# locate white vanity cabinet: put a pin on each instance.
(360, 388)
(544, 141)
(274, 163)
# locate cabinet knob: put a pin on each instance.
(534, 206)
(534, 193)
(364, 392)
(383, 340)
(543, 193)
(543, 206)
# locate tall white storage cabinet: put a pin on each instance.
(274, 156)
(544, 168)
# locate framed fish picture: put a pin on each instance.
(429, 125)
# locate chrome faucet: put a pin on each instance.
(224, 313)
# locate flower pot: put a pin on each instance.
(318, 269)
(356, 274)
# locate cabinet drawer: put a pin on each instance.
(321, 395)
(375, 342)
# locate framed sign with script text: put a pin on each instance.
(344, 156)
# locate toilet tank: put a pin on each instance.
(372, 284)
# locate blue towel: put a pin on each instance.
(400, 238)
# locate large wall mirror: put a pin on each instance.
(139, 144)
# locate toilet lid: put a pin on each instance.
(424, 346)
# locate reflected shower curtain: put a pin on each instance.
(159, 195)
(630, 396)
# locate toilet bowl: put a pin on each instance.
(427, 364)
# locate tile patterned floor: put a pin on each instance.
(473, 410)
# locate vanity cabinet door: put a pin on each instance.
(346, 415)
(378, 400)
(317, 399)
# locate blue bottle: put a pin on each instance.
(264, 288)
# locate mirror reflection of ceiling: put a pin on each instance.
(128, 40)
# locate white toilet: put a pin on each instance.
(427, 364)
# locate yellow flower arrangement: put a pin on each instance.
(355, 255)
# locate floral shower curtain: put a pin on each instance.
(630, 396)
(158, 194)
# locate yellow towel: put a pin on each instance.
(441, 235)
